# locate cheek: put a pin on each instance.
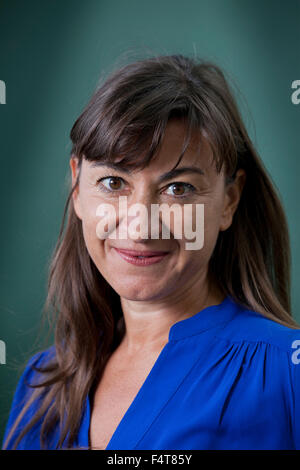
(206, 228)
(211, 224)
(89, 225)
(203, 223)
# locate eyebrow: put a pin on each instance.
(164, 177)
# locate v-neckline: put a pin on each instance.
(132, 404)
(127, 436)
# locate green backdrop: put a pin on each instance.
(51, 56)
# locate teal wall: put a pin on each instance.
(51, 56)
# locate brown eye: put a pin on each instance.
(114, 183)
(111, 183)
(180, 189)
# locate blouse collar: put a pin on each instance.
(207, 318)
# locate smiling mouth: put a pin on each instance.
(142, 258)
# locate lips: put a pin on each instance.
(142, 253)
(142, 257)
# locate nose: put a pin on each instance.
(135, 217)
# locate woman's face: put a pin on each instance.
(178, 271)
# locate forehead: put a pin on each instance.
(198, 153)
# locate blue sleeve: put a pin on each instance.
(21, 395)
(296, 362)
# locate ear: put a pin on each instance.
(75, 196)
(233, 192)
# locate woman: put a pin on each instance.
(158, 346)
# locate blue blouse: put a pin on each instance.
(228, 378)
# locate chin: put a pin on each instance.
(138, 292)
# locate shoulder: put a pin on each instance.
(269, 353)
(41, 357)
(253, 327)
(38, 360)
(23, 391)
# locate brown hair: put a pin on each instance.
(127, 114)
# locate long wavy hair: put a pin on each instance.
(127, 114)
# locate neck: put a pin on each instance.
(147, 324)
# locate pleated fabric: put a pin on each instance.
(228, 378)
